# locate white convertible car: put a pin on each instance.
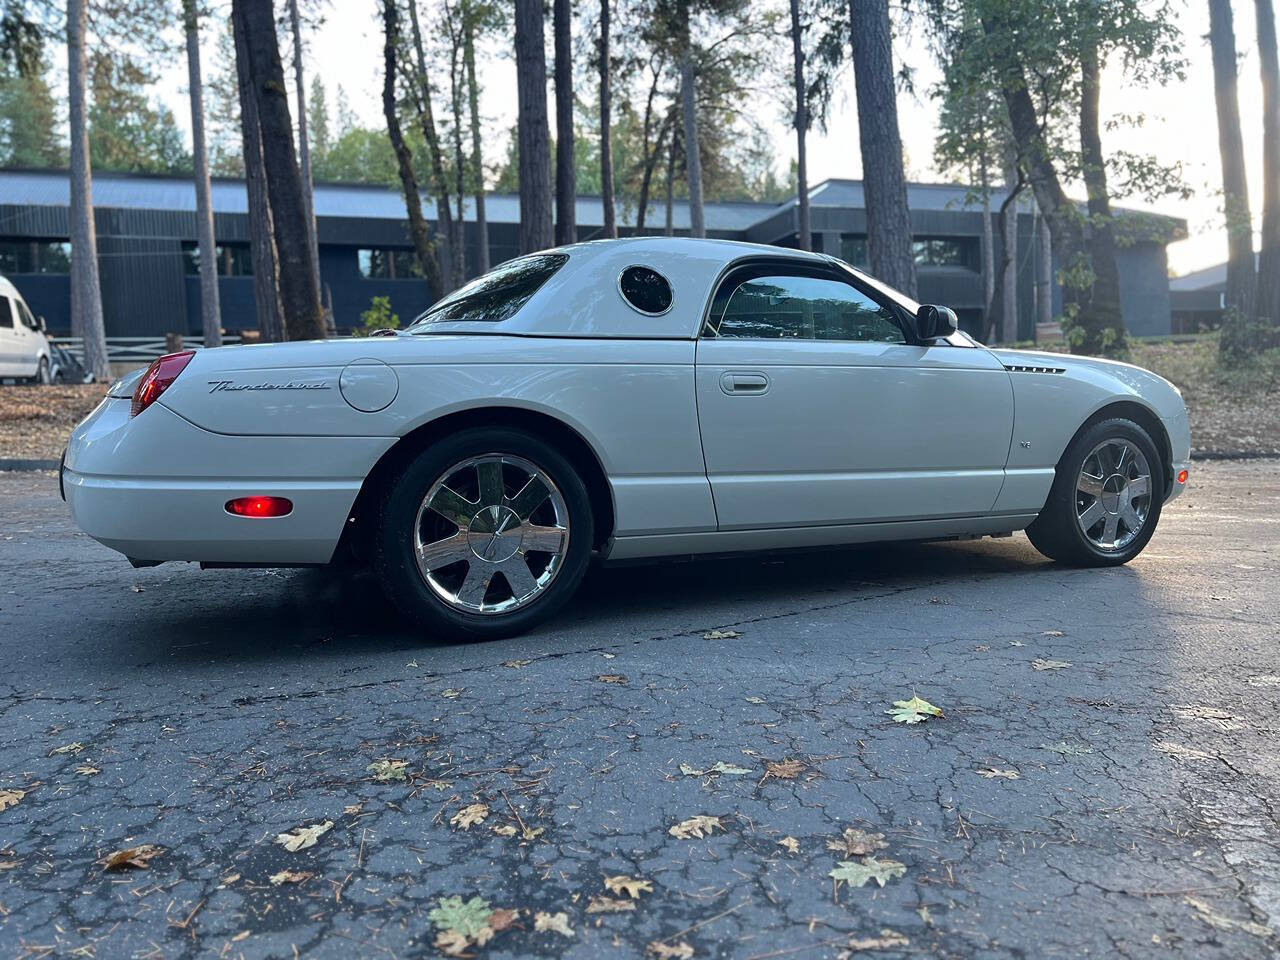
(627, 398)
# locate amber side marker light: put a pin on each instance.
(260, 507)
(1182, 476)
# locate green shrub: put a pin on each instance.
(377, 317)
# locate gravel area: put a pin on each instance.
(36, 421)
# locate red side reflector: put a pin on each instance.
(260, 507)
(158, 378)
(1182, 476)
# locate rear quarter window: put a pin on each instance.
(499, 294)
(646, 290)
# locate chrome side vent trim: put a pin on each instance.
(1020, 368)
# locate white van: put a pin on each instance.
(24, 350)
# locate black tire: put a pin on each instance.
(394, 559)
(1056, 532)
(42, 377)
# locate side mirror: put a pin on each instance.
(41, 324)
(933, 322)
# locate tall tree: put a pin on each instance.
(86, 290)
(606, 148)
(689, 109)
(318, 121)
(1268, 304)
(470, 24)
(1241, 272)
(29, 134)
(428, 262)
(129, 130)
(210, 310)
(566, 186)
(304, 144)
(439, 179)
(455, 30)
(1104, 294)
(883, 180)
(262, 243)
(535, 148)
(802, 127)
(299, 294)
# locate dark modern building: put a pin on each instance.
(147, 248)
(1198, 299)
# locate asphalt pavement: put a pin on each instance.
(1103, 780)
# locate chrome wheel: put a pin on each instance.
(1113, 494)
(491, 534)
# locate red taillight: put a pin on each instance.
(157, 379)
(1182, 476)
(260, 506)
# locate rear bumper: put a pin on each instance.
(118, 476)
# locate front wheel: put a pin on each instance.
(484, 534)
(1106, 497)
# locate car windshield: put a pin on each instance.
(496, 296)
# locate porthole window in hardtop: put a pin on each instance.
(499, 294)
(646, 289)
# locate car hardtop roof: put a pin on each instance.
(728, 250)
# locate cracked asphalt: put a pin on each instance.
(209, 712)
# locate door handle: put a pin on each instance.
(738, 383)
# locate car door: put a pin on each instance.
(10, 346)
(815, 408)
(30, 339)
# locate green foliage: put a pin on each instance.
(377, 317)
(29, 134)
(128, 130)
(469, 918)
(856, 873)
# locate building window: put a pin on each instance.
(35, 256)
(853, 249)
(386, 263)
(946, 252)
(234, 259)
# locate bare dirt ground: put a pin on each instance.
(36, 421)
(693, 761)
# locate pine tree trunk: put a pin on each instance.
(1107, 332)
(1241, 274)
(477, 157)
(426, 116)
(262, 244)
(86, 291)
(669, 226)
(458, 241)
(1008, 331)
(883, 180)
(802, 125)
(988, 250)
(1033, 155)
(428, 262)
(533, 133)
(651, 151)
(304, 145)
(1268, 303)
(566, 185)
(1044, 290)
(299, 295)
(606, 122)
(210, 310)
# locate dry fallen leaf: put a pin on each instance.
(721, 635)
(857, 843)
(857, 873)
(136, 588)
(288, 876)
(995, 773)
(11, 798)
(756, 700)
(718, 767)
(599, 904)
(699, 826)
(469, 815)
(10, 864)
(451, 694)
(67, 748)
(505, 830)
(502, 918)
(790, 844)
(784, 770)
(453, 943)
(553, 922)
(516, 664)
(353, 809)
(611, 678)
(670, 951)
(914, 710)
(1040, 663)
(463, 924)
(132, 857)
(300, 838)
(1053, 633)
(385, 770)
(1224, 922)
(887, 940)
(630, 886)
(85, 770)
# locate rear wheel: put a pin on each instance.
(484, 534)
(1106, 497)
(42, 376)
